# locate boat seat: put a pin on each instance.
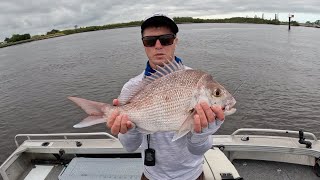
(219, 166)
(103, 168)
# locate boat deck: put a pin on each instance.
(103, 169)
(249, 156)
(90, 168)
(266, 170)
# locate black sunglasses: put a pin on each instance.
(165, 40)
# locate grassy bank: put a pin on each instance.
(178, 20)
(34, 38)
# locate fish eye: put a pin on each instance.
(217, 92)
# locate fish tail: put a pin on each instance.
(97, 111)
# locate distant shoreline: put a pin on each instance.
(178, 20)
(36, 38)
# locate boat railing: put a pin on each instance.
(273, 131)
(62, 135)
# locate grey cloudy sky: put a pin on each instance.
(40, 16)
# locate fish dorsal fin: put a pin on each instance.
(128, 92)
(167, 68)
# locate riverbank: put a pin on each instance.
(34, 38)
(178, 20)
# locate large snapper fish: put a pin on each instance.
(164, 101)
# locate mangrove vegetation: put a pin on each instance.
(18, 39)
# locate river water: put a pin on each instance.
(275, 73)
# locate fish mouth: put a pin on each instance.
(228, 109)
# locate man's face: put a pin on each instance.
(158, 54)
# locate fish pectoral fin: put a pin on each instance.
(90, 120)
(185, 128)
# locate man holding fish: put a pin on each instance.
(170, 110)
(169, 154)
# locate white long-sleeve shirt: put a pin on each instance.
(181, 159)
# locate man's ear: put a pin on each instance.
(176, 41)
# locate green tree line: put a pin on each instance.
(178, 20)
(227, 20)
(17, 37)
(104, 27)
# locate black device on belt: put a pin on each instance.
(149, 154)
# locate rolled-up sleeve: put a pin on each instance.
(199, 143)
(131, 140)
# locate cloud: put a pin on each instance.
(40, 16)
